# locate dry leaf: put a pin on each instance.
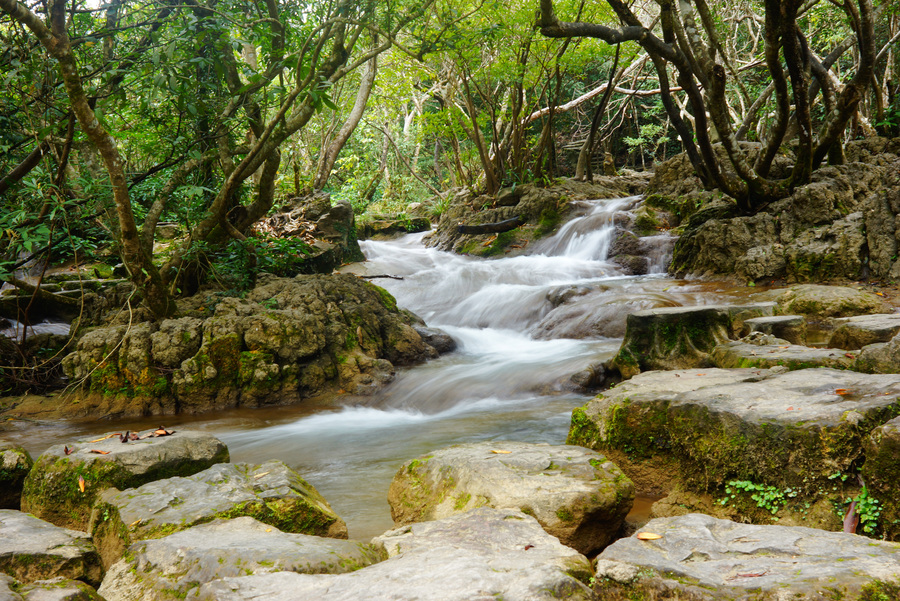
(529, 547)
(648, 536)
(850, 355)
(81, 483)
(257, 476)
(68, 451)
(99, 452)
(268, 529)
(790, 408)
(499, 452)
(105, 437)
(841, 391)
(880, 293)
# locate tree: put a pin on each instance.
(688, 37)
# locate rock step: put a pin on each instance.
(789, 327)
(853, 333)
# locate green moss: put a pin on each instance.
(565, 514)
(461, 501)
(547, 222)
(499, 244)
(386, 298)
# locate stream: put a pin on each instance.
(524, 324)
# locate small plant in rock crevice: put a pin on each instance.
(767, 497)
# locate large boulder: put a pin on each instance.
(787, 429)
(859, 331)
(792, 328)
(168, 568)
(32, 549)
(881, 473)
(482, 554)
(272, 493)
(818, 301)
(880, 358)
(700, 558)
(66, 479)
(577, 495)
(15, 463)
(288, 339)
(680, 337)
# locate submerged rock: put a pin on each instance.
(701, 558)
(577, 495)
(272, 493)
(53, 488)
(771, 427)
(169, 568)
(32, 549)
(15, 463)
(482, 554)
(287, 340)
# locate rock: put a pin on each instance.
(703, 558)
(58, 589)
(15, 463)
(745, 353)
(819, 301)
(881, 473)
(287, 340)
(440, 340)
(338, 226)
(625, 243)
(880, 358)
(632, 264)
(32, 549)
(595, 377)
(382, 227)
(856, 332)
(51, 490)
(272, 492)
(789, 327)
(168, 568)
(772, 427)
(482, 554)
(679, 337)
(575, 494)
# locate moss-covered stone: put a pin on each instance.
(15, 463)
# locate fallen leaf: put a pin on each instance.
(648, 536)
(701, 374)
(99, 452)
(851, 519)
(880, 293)
(105, 437)
(841, 391)
(257, 476)
(268, 529)
(850, 355)
(68, 451)
(81, 483)
(499, 452)
(790, 408)
(529, 547)
(135, 523)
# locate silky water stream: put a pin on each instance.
(524, 324)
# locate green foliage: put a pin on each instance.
(769, 498)
(237, 265)
(868, 508)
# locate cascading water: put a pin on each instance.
(522, 330)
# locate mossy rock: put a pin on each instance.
(53, 489)
(272, 493)
(881, 473)
(819, 301)
(740, 353)
(15, 463)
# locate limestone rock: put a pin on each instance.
(15, 463)
(482, 554)
(168, 568)
(772, 427)
(792, 328)
(32, 549)
(381, 227)
(820, 301)
(856, 332)
(288, 339)
(679, 337)
(58, 589)
(703, 558)
(577, 495)
(440, 340)
(52, 491)
(742, 353)
(881, 473)
(271, 492)
(880, 358)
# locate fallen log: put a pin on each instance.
(491, 228)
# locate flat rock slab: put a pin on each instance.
(792, 328)
(791, 356)
(271, 492)
(58, 589)
(168, 568)
(771, 427)
(856, 332)
(15, 463)
(820, 301)
(576, 494)
(680, 337)
(32, 549)
(702, 558)
(52, 491)
(482, 554)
